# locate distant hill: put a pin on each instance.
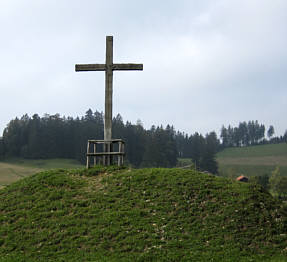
(253, 160)
(106, 214)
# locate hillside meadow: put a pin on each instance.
(112, 214)
(14, 169)
(253, 160)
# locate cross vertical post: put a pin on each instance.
(108, 99)
(109, 89)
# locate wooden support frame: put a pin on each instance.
(108, 156)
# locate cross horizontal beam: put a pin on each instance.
(90, 67)
(103, 67)
(127, 66)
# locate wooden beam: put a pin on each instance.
(127, 66)
(88, 159)
(102, 67)
(90, 67)
(105, 153)
(109, 91)
(106, 141)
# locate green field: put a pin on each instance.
(111, 214)
(255, 151)
(14, 169)
(253, 160)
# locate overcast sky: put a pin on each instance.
(207, 63)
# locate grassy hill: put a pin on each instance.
(106, 214)
(14, 169)
(253, 160)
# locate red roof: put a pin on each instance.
(240, 178)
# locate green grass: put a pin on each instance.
(185, 162)
(233, 171)
(255, 151)
(45, 163)
(106, 214)
(14, 169)
(253, 160)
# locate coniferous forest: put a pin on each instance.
(53, 136)
(249, 133)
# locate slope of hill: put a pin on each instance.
(14, 169)
(253, 160)
(106, 214)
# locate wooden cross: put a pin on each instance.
(109, 67)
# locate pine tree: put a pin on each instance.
(208, 161)
(270, 132)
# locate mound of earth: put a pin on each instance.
(111, 214)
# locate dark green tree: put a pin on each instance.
(224, 137)
(160, 150)
(12, 138)
(270, 132)
(208, 161)
(2, 148)
(197, 148)
(285, 137)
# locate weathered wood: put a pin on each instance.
(108, 155)
(123, 150)
(95, 150)
(109, 89)
(90, 67)
(120, 157)
(105, 141)
(105, 154)
(127, 66)
(102, 67)
(88, 159)
(108, 67)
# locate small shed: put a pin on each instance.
(242, 179)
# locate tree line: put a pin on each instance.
(53, 136)
(248, 133)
